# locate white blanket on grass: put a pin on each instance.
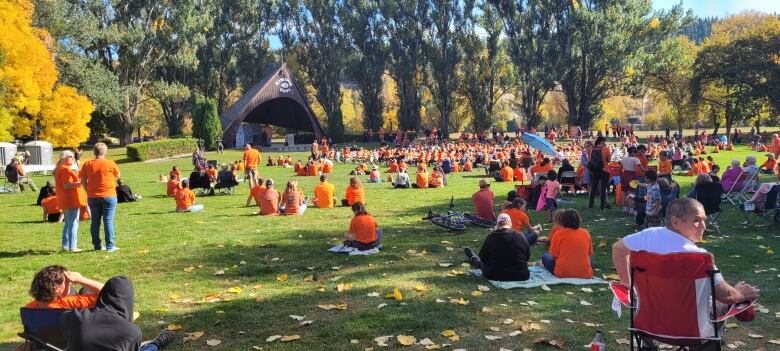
(352, 251)
(539, 277)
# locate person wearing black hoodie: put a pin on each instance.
(109, 325)
(504, 254)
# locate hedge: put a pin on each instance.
(161, 148)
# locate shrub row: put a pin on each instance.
(160, 148)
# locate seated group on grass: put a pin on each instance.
(100, 317)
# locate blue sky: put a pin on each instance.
(721, 8)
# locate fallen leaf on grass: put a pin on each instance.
(213, 342)
(219, 272)
(495, 329)
(382, 340)
(488, 309)
(445, 264)
(515, 333)
(483, 288)
(492, 337)
(162, 310)
(281, 277)
(476, 293)
(406, 340)
(329, 307)
(774, 341)
(460, 301)
(545, 287)
(395, 295)
(755, 336)
(622, 341)
(189, 269)
(420, 288)
(557, 342)
(344, 287)
(290, 337)
(587, 290)
(585, 303)
(305, 323)
(192, 336)
(273, 338)
(531, 326)
(174, 327)
(373, 294)
(235, 290)
(297, 318)
(450, 334)
(507, 321)
(308, 278)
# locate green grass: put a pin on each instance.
(157, 244)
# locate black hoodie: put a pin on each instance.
(109, 325)
(505, 256)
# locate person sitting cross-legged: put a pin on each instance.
(570, 248)
(504, 254)
(324, 193)
(363, 233)
(51, 209)
(185, 199)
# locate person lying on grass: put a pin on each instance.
(571, 248)
(685, 225)
(363, 233)
(504, 254)
(185, 199)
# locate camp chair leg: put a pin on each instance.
(35, 339)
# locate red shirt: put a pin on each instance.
(483, 201)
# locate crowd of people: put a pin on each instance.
(667, 224)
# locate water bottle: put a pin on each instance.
(598, 343)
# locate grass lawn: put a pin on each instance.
(172, 259)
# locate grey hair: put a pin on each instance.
(735, 163)
(750, 159)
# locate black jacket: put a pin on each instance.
(108, 326)
(504, 256)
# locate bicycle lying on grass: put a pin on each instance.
(457, 220)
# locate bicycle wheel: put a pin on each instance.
(478, 221)
(445, 222)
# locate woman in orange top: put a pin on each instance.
(174, 172)
(51, 211)
(363, 233)
(71, 198)
(354, 192)
(571, 249)
(422, 177)
(436, 178)
(292, 199)
(99, 178)
(185, 199)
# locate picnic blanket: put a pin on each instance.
(352, 251)
(539, 277)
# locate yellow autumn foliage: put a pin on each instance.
(30, 75)
(65, 116)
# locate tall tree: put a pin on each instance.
(528, 30)
(600, 48)
(442, 46)
(322, 49)
(407, 20)
(488, 74)
(671, 77)
(368, 37)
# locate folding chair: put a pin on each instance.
(670, 301)
(10, 181)
(771, 206)
(709, 194)
(569, 178)
(225, 182)
(738, 197)
(42, 328)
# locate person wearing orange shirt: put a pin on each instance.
(270, 162)
(314, 169)
(251, 161)
(292, 202)
(393, 168)
(468, 166)
(327, 166)
(324, 193)
(173, 185)
(50, 289)
(571, 249)
(16, 174)
(484, 201)
(269, 200)
(520, 221)
(518, 173)
(211, 172)
(185, 199)
(437, 177)
(354, 192)
(51, 210)
(99, 176)
(664, 166)
(768, 167)
(71, 198)
(255, 192)
(174, 172)
(422, 177)
(696, 168)
(506, 173)
(363, 233)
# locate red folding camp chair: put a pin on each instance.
(670, 301)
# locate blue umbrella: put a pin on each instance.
(539, 143)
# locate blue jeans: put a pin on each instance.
(70, 232)
(102, 208)
(531, 238)
(149, 347)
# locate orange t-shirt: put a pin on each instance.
(314, 170)
(212, 173)
(184, 199)
(101, 177)
(173, 186)
(68, 198)
(519, 174)
(269, 202)
(324, 193)
(251, 158)
(572, 249)
(519, 218)
(256, 191)
(435, 180)
(292, 202)
(66, 302)
(507, 174)
(606, 155)
(467, 167)
(327, 168)
(664, 167)
(364, 228)
(51, 205)
(356, 195)
(422, 179)
(555, 228)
